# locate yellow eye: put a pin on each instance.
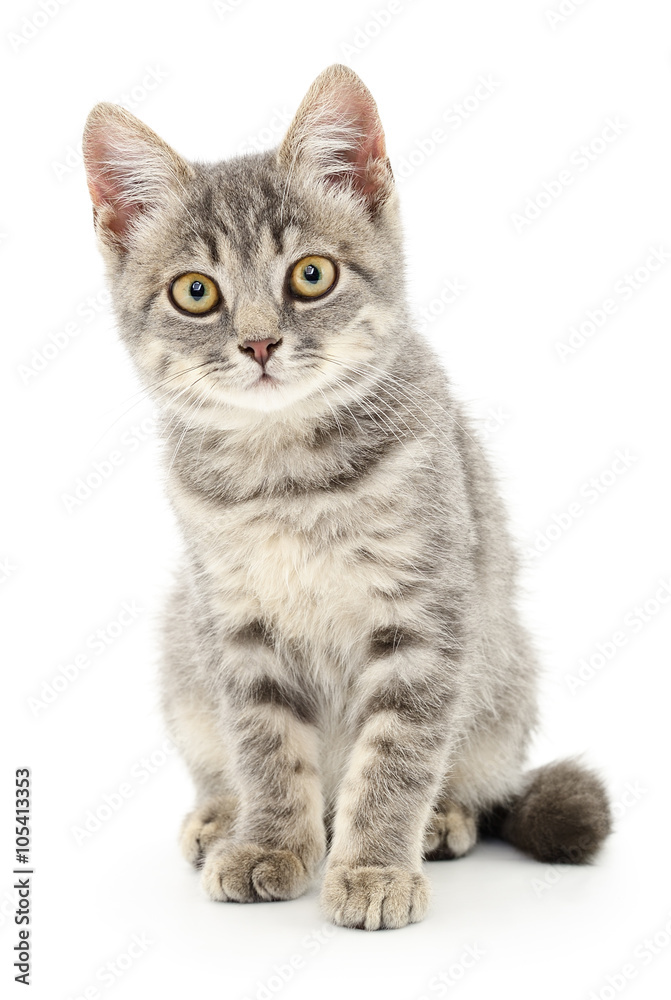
(194, 293)
(312, 277)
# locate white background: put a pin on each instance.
(221, 80)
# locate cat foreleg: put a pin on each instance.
(277, 838)
(374, 876)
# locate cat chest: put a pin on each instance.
(326, 582)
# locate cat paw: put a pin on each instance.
(208, 823)
(247, 873)
(374, 898)
(451, 833)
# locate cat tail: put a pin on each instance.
(560, 815)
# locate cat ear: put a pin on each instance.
(129, 169)
(338, 135)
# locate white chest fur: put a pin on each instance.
(320, 568)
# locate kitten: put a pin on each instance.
(343, 667)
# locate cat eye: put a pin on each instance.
(312, 277)
(194, 293)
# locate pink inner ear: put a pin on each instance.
(368, 148)
(371, 144)
(106, 185)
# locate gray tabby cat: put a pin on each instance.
(344, 670)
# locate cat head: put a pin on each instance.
(267, 282)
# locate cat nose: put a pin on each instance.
(261, 349)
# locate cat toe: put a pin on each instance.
(374, 898)
(248, 873)
(452, 832)
(204, 826)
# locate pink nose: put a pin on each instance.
(261, 349)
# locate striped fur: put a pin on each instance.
(343, 665)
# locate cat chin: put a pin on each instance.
(268, 397)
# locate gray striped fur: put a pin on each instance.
(343, 664)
